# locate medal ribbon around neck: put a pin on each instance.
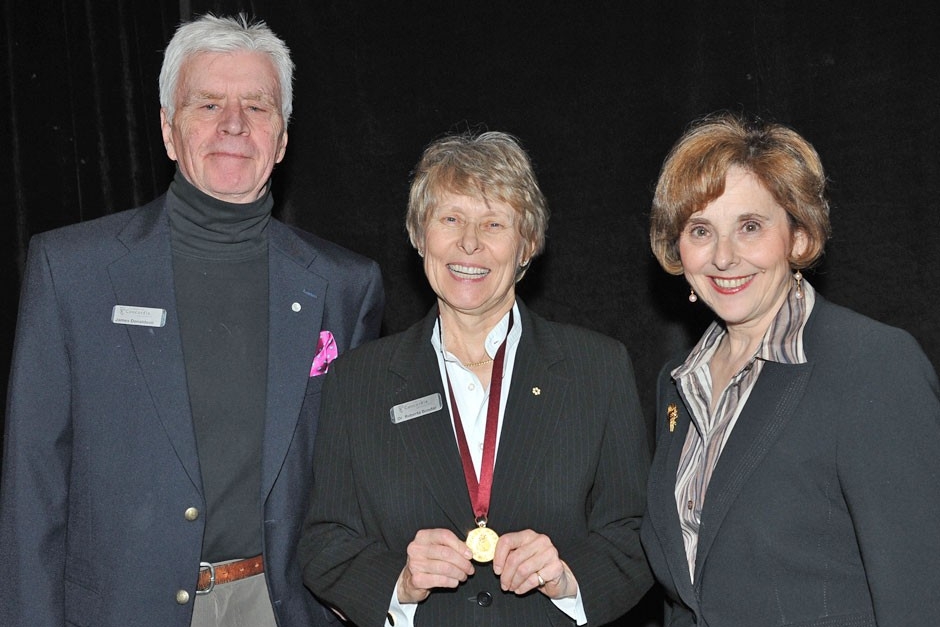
(480, 490)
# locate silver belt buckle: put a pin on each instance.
(203, 566)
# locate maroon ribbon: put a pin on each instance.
(480, 490)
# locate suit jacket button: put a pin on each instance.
(191, 514)
(182, 597)
(484, 599)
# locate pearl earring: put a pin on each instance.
(798, 276)
(693, 297)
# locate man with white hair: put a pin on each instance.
(167, 371)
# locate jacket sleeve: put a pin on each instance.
(609, 563)
(369, 320)
(37, 454)
(889, 470)
(341, 563)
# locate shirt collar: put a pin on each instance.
(493, 339)
(782, 343)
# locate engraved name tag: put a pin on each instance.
(418, 407)
(138, 316)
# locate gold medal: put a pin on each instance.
(482, 542)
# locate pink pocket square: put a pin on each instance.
(326, 352)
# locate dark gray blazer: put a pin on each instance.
(100, 461)
(572, 464)
(824, 507)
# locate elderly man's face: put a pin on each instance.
(227, 132)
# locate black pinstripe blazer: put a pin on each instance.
(573, 457)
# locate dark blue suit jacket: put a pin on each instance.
(823, 508)
(100, 461)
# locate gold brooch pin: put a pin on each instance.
(673, 412)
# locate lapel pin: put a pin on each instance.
(673, 412)
(295, 307)
(536, 391)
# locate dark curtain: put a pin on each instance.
(597, 91)
(80, 136)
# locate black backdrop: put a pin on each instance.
(597, 91)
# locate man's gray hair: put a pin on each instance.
(209, 33)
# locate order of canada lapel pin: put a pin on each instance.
(673, 412)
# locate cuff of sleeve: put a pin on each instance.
(573, 607)
(400, 614)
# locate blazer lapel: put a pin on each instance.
(661, 505)
(429, 439)
(536, 398)
(295, 315)
(771, 404)
(144, 277)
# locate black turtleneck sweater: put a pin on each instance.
(220, 270)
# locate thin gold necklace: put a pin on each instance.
(474, 364)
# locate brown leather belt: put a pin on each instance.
(211, 575)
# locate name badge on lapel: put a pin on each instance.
(418, 407)
(138, 316)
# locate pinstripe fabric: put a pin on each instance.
(572, 464)
(782, 343)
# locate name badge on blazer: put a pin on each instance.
(138, 316)
(418, 407)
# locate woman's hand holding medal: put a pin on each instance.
(526, 560)
(523, 560)
(436, 559)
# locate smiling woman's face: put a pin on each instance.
(472, 251)
(736, 253)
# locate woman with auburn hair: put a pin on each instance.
(798, 444)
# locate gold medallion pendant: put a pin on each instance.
(482, 542)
